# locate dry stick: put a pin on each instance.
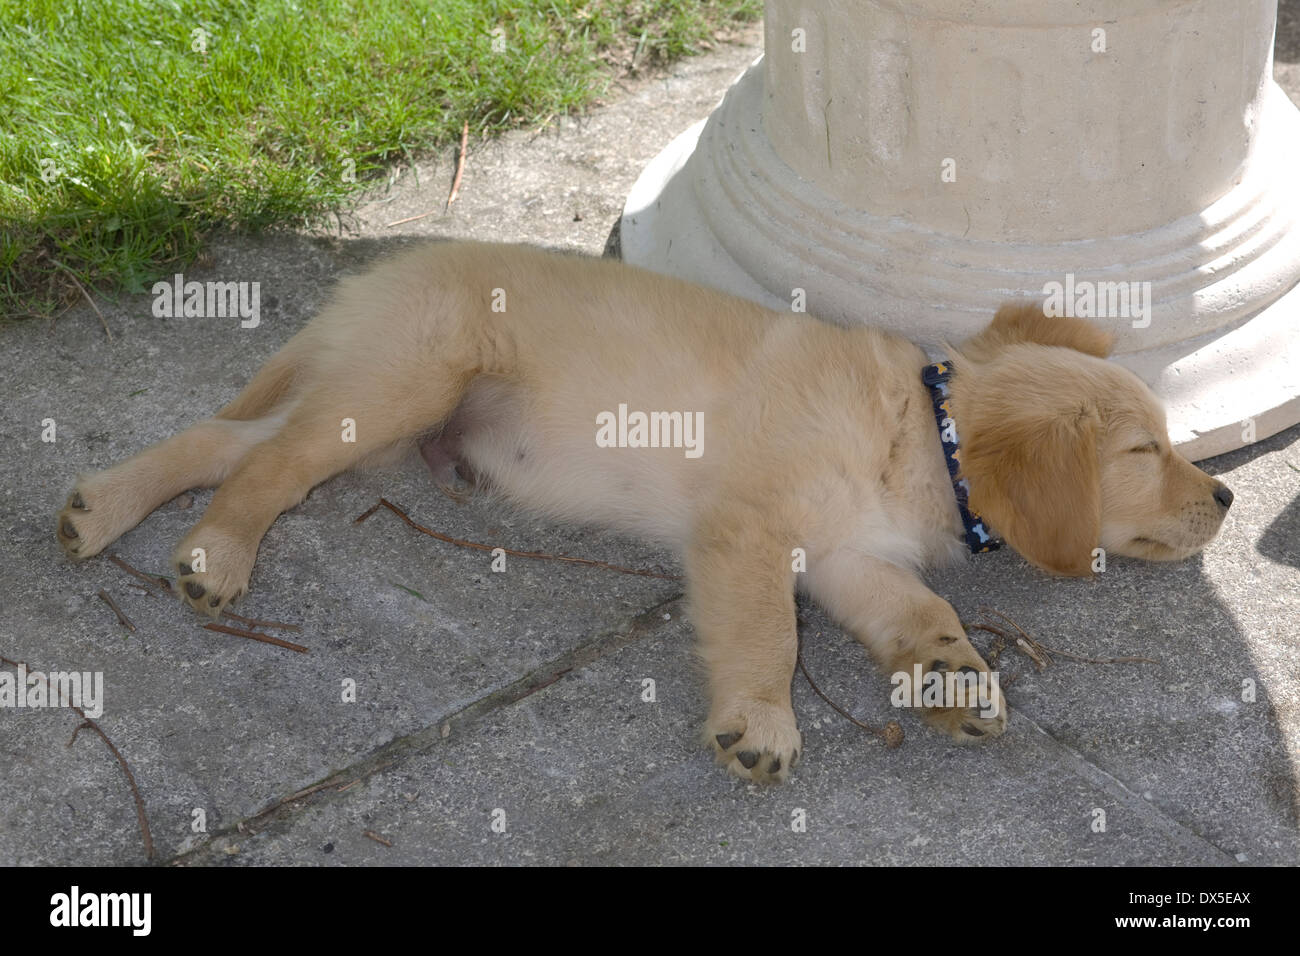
(891, 733)
(998, 646)
(376, 837)
(257, 622)
(122, 618)
(161, 584)
(255, 636)
(156, 584)
(308, 791)
(462, 543)
(85, 294)
(1074, 657)
(398, 222)
(1035, 651)
(460, 165)
(996, 649)
(1102, 660)
(140, 814)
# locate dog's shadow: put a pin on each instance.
(1196, 734)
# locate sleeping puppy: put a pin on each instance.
(773, 451)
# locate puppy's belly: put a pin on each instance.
(546, 459)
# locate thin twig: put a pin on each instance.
(87, 722)
(1039, 645)
(140, 814)
(423, 215)
(87, 297)
(1035, 651)
(258, 622)
(156, 584)
(307, 792)
(376, 837)
(1100, 660)
(255, 636)
(324, 784)
(891, 733)
(998, 646)
(462, 543)
(122, 618)
(162, 584)
(460, 165)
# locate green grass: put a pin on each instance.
(121, 144)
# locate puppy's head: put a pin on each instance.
(1066, 452)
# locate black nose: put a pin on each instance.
(1223, 495)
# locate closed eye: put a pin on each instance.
(1150, 446)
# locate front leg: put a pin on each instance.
(741, 597)
(903, 624)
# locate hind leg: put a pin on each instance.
(215, 560)
(106, 504)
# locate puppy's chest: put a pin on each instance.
(900, 501)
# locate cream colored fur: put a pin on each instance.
(816, 437)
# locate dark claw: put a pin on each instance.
(727, 741)
(972, 730)
(214, 601)
(747, 759)
(967, 670)
(185, 568)
(776, 766)
(194, 589)
(69, 531)
(76, 501)
(938, 665)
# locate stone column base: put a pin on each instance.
(1220, 343)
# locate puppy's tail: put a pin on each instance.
(269, 387)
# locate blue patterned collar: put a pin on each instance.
(979, 537)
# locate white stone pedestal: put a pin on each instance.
(914, 163)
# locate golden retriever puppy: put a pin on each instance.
(773, 451)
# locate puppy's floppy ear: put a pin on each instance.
(1035, 477)
(1026, 322)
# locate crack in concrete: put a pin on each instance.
(1113, 785)
(400, 750)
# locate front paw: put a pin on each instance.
(970, 708)
(755, 740)
(212, 570)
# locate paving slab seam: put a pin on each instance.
(400, 750)
(1099, 777)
